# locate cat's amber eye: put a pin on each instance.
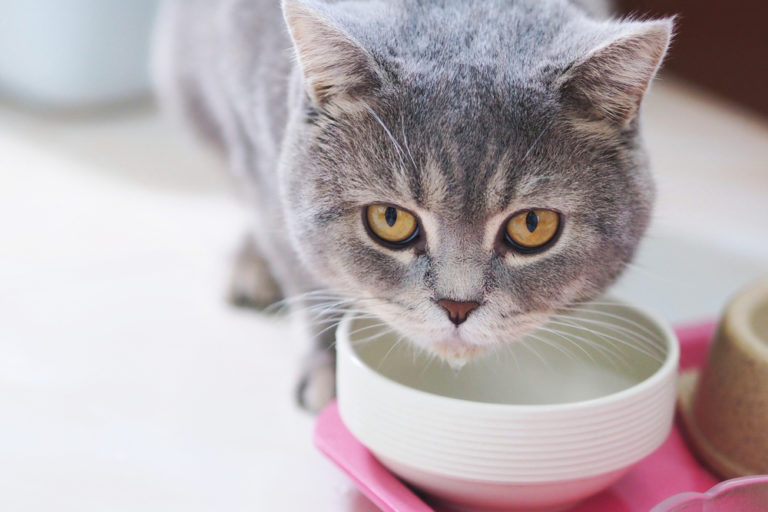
(531, 230)
(391, 225)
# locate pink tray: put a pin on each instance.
(669, 470)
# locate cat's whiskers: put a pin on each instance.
(302, 297)
(551, 343)
(650, 342)
(405, 141)
(653, 336)
(400, 152)
(536, 140)
(318, 294)
(320, 302)
(606, 336)
(424, 369)
(605, 351)
(524, 343)
(365, 328)
(393, 347)
(511, 348)
(586, 307)
(334, 323)
(376, 335)
(568, 340)
(329, 309)
(385, 329)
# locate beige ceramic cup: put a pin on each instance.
(725, 408)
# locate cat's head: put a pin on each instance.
(484, 152)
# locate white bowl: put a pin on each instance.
(538, 426)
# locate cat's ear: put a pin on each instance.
(335, 66)
(610, 82)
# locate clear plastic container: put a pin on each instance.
(746, 494)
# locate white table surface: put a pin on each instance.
(127, 383)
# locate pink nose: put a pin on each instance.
(457, 311)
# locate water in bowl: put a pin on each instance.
(594, 353)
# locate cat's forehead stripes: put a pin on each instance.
(464, 188)
(433, 190)
(471, 182)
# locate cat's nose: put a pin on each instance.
(457, 311)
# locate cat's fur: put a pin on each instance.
(462, 111)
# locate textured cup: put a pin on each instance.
(725, 408)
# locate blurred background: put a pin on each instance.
(126, 380)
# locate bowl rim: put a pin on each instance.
(668, 366)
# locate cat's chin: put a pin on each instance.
(457, 352)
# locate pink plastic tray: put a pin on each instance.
(669, 470)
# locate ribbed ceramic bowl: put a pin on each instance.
(539, 426)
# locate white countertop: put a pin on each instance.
(126, 381)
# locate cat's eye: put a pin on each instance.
(391, 225)
(531, 230)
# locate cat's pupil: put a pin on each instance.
(531, 221)
(390, 215)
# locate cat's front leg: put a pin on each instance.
(252, 284)
(317, 381)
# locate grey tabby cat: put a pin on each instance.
(460, 168)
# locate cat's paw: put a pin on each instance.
(317, 386)
(252, 284)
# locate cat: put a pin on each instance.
(460, 168)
